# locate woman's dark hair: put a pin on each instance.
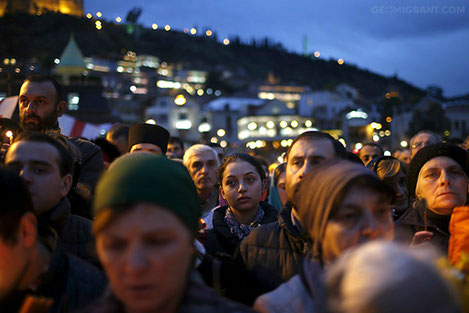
(243, 157)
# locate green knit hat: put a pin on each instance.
(152, 179)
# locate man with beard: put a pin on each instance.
(41, 103)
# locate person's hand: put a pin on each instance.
(421, 237)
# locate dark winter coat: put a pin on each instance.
(198, 298)
(413, 221)
(221, 240)
(73, 231)
(273, 253)
(91, 161)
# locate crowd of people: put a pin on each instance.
(136, 223)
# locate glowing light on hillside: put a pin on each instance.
(167, 28)
(154, 26)
(209, 33)
(118, 19)
(99, 14)
(180, 100)
(226, 42)
(193, 31)
(317, 54)
(340, 61)
(89, 15)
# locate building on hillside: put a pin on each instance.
(38, 7)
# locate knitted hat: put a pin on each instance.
(151, 179)
(429, 152)
(148, 133)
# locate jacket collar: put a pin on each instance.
(58, 216)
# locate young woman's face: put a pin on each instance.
(364, 215)
(281, 188)
(146, 254)
(242, 186)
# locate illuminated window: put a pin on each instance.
(73, 101)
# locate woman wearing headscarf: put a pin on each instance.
(147, 211)
(437, 182)
(278, 195)
(348, 206)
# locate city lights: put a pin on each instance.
(214, 140)
(340, 61)
(118, 19)
(151, 121)
(89, 16)
(308, 123)
(167, 28)
(57, 61)
(358, 145)
(221, 132)
(252, 126)
(270, 124)
(200, 92)
(193, 31)
(180, 100)
(283, 124)
(209, 33)
(356, 114)
(99, 14)
(204, 127)
(294, 124)
(226, 41)
(223, 144)
(183, 124)
(389, 119)
(154, 26)
(387, 153)
(317, 54)
(404, 144)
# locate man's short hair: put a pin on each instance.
(66, 160)
(16, 201)
(117, 131)
(38, 78)
(317, 135)
(196, 149)
(373, 144)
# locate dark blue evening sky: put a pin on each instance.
(425, 42)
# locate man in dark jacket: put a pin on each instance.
(47, 166)
(272, 253)
(35, 264)
(41, 102)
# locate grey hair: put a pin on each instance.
(384, 277)
(196, 149)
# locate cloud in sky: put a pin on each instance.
(424, 41)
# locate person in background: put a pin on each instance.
(41, 102)
(393, 172)
(369, 151)
(404, 156)
(32, 259)
(437, 182)
(118, 135)
(278, 194)
(175, 148)
(46, 165)
(202, 163)
(393, 279)
(340, 205)
(422, 139)
(242, 183)
(147, 216)
(148, 138)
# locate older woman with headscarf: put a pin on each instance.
(437, 182)
(340, 205)
(147, 212)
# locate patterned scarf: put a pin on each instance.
(241, 230)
